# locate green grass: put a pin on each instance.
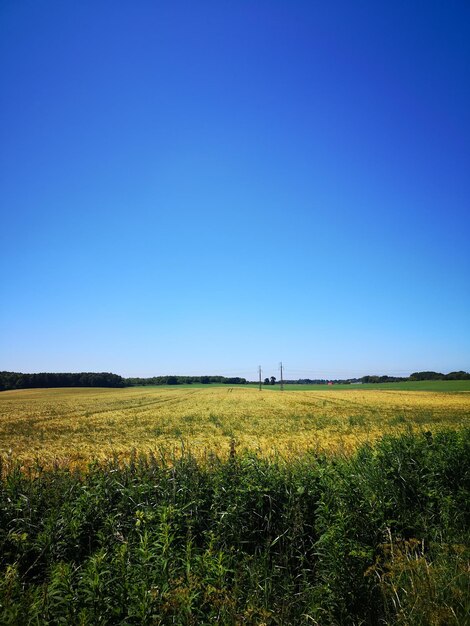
(381, 537)
(422, 385)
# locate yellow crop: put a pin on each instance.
(79, 425)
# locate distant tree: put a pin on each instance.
(457, 376)
(426, 376)
(266, 381)
(273, 380)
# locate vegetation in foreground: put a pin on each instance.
(379, 537)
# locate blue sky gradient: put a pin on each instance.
(204, 187)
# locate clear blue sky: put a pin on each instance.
(202, 187)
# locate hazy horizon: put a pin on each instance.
(252, 375)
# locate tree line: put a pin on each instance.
(416, 376)
(460, 375)
(18, 380)
(185, 380)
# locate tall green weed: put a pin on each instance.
(381, 537)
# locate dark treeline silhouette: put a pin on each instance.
(185, 380)
(460, 375)
(346, 381)
(383, 379)
(18, 380)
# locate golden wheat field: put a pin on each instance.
(78, 425)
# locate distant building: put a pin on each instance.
(330, 382)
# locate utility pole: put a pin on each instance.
(282, 382)
(259, 370)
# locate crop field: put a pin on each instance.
(78, 425)
(364, 534)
